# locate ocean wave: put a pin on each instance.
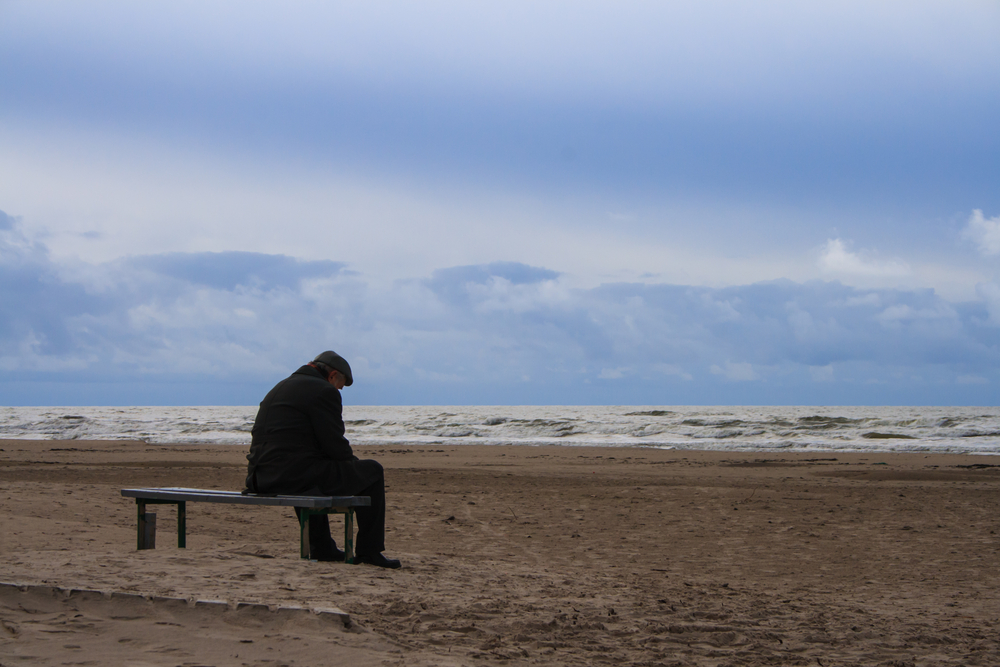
(957, 430)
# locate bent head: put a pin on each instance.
(335, 367)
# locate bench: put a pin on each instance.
(308, 506)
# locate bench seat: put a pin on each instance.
(179, 496)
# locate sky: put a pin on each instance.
(639, 203)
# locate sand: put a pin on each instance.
(513, 556)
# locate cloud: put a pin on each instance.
(836, 258)
(473, 333)
(613, 373)
(374, 161)
(740, 372)
(670, 369)
(229, 270)
(515, 273)
(984, 232)
(990, 294)
(36, 305)
(496, 286)
(7, 222)
(677, 98)
(821, 373)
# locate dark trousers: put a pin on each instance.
(371, 524)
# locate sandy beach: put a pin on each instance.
(516, 556)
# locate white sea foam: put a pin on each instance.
(973, 430)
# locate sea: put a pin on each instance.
(965, 430)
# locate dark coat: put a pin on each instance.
(298, 444)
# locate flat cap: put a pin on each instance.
(336, 362)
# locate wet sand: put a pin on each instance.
(516, 556)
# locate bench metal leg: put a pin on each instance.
(349, 535)
(304, 514)
(182, 525)
(146, 530)
(141, 531)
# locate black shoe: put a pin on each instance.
(326, 551)
(379, 561)
(334, 556)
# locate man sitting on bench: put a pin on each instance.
(298, 448)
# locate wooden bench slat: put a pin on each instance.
(237, 498)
